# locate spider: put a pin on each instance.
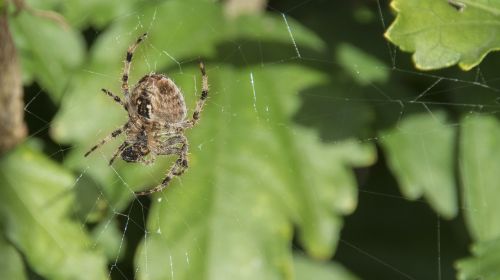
(157, 119)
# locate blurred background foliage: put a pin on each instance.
(322, 152)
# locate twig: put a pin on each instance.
(12, 126)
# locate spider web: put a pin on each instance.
(386, 235)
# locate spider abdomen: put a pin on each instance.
(156, 98)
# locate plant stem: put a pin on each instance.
(12, 126)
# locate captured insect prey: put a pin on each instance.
(157, 120)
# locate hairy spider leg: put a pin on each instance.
(118, 151)
(169, 147)
(115, 98)
(147, 161)
(203, 97)
(128, 61)
(111, 136)
(177, 169)
(167, 150)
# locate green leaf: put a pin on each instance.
(172, 39)
(364, 68)
(274, 28)
(443, 33)
(420, 153)
(50, 55)
(223, 221)
(106, 60)
(97, 13)
(35, 203)
(159, 49)
(484, 264)
(11, 262)
(104, 70)
(479, 166)
(306, 269)
(222, 217)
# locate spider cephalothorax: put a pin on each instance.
(157, 119)
(135, 152)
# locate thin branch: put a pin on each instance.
(12, 126)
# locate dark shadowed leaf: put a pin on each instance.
(364, 68)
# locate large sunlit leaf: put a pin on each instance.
(35, 206)
(420, 153)
(483, 264)
(158, 52)
(253, 175)
(230, 222)
(155, 54)
(444, 33)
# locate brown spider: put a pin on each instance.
(157, 120)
